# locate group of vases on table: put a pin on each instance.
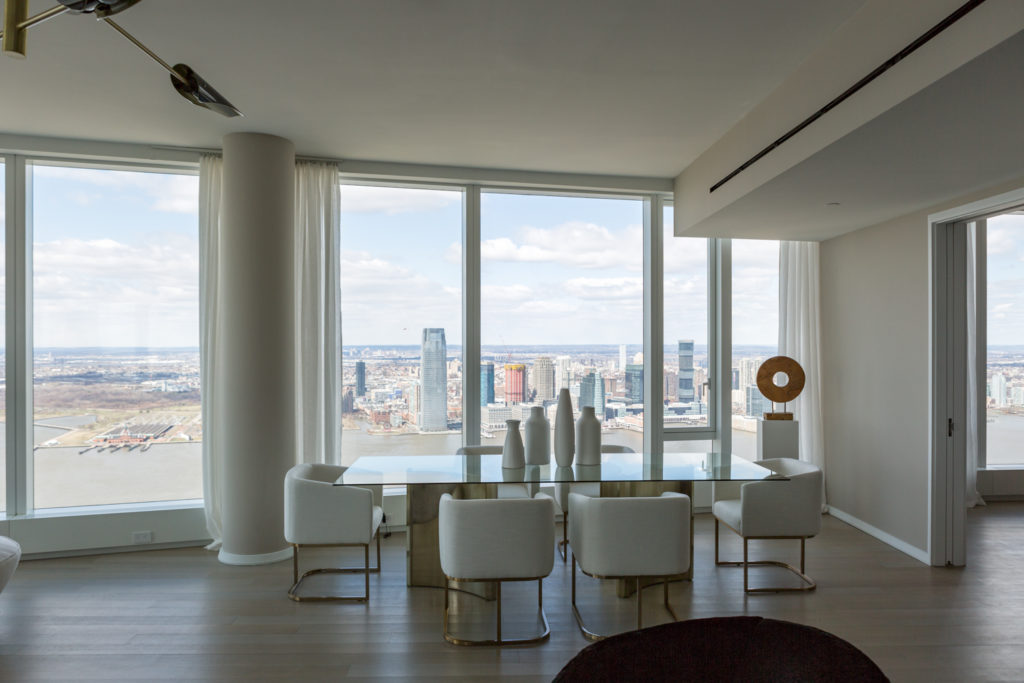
(582, 439)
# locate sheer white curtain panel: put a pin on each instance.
(209, 244)
(800, 339)
(318, 312)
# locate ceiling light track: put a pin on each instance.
(956, 16)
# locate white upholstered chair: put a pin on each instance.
(504, 490)
(629, 538)
(10, 555)
(496, 540)
(587, 488)
(773, 510)
(319, 514)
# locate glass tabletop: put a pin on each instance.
(487, 469)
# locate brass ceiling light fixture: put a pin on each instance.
(185, 80)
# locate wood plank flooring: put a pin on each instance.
(181, 615)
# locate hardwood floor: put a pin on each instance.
(181, 615)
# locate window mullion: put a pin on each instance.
(720, 343)
(471, 316)
(654, 327)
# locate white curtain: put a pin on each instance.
(318, 312)
(209, 244)
(972, 497)
(800, 338)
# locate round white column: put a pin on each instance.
(254, 410)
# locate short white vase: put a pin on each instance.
(565, 432)
(588, 438)
(512, 453)
(538, 437)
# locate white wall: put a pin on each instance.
(874, 305)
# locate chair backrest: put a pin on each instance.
(316, 511)
(783, 508)
(479, 450)
(496, 539)
(641, 536)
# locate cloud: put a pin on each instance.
(107, 293)
(167, 192)
(577, 244)
(394, 200)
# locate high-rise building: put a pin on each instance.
(592, 392)
(634, 383)
(622, 356)
(998, 386)
(748, 371)
(756, 403)
(433, 381)
(671, 385)
(685, 377)
(360, 378)
(486, 383)
(516, 390)
(543, 381)
(563, 372)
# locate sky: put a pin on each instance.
(1006, 280)
(116, 263)
(554, 270)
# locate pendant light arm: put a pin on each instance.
(117, 27)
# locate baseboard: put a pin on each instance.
(901, 545)
(110, 551)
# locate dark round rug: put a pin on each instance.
(749, 649)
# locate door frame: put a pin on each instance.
(947, 331)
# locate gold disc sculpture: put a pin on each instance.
(772, 391)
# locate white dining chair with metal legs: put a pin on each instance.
(789, 509)
(629, 538)
(318, 514)
(492, 540)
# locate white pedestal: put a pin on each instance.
(778, 439)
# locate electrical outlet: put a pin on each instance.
(142, 537)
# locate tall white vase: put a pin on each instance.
(588, 438)
(565, 432)
(538, 437)
(512, 453)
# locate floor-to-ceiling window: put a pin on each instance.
(401, 303)
(1004, 381)
(3, 340)
(755, 334)
(561, 301)
(115, 313)
(687, 364)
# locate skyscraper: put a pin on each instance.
(516, 390)
(563, 372)
(756, 403)
(433, 381)
(635, 383)
(544, 378)
(592, 392)
(622, 356)
(998, 387)
(486, 383)
(686, 370)
(360, 378)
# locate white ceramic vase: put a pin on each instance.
(588, 438)
(512, 453)
(565, 432)
(538, 437)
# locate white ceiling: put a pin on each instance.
(963, 133)
(638, 87)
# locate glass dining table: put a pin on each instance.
(428, 477)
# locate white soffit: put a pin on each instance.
(961, 134)
(579, 86)
(877, 32)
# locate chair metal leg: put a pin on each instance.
(366, 570)
(591, 635)
(808, 582)
(499, 641)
